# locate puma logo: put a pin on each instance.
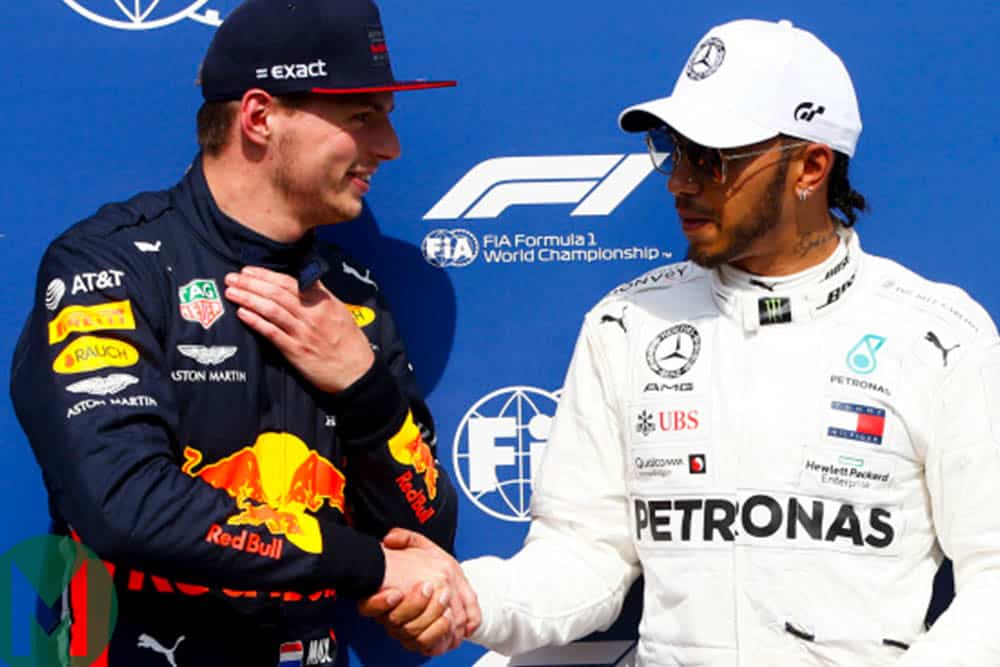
(620, 320)
(145, 641)
(351, 271)
(933, 339)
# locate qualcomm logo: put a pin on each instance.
(596, 183)
(150, 14)
(498, 446)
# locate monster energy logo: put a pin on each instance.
(774, 310)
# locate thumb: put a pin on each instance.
(400, 538)
(380, 603)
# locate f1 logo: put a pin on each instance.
(596, 183)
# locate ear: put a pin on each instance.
(256, 110)
(816, 161)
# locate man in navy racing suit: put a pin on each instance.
(784, 434)
(221, 405)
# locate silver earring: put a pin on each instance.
(804, 193)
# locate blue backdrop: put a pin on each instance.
(517, 202)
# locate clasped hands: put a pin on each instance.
(425, 601)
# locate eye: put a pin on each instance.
(362, 117)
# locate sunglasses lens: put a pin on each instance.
(661, 148)
(707, 161)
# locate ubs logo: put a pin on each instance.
(150, 14)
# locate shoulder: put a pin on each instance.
(127, 227)
(941, 303)
(677, 287)
(660, 278)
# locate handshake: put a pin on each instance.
(425, 601)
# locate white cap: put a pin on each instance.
(751, 80)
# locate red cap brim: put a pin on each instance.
(394, 87)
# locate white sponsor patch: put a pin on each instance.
(850, 472)
(669, 421)
(54, 293)
(146, 246)
(97, 280)
(103, 386)
(208, 356)
(84, 406)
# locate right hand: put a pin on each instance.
(439, 609)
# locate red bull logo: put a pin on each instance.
(274, 482)
(408, 448)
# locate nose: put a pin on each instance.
(385, 143)
(683, 180)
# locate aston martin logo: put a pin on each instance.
(207, 356)
(149, 14)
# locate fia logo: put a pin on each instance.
(150, 14)
(596, 183)
(445, 248)
(498, 447)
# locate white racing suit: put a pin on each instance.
(784, 460)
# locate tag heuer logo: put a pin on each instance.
(200, 302)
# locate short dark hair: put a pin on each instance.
(840, 196)
(214, 123)
(215, 120)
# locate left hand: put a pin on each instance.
(313, 329)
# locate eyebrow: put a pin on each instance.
(370, 102)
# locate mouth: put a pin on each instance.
(361, 179)
(693, 220)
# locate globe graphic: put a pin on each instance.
(151, 14)
(531, 409)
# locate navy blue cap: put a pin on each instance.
(332, 47)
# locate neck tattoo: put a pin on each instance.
(812, 240)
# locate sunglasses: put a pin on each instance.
(666, 150)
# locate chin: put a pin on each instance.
(704, 258)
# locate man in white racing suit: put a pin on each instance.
(783, 434)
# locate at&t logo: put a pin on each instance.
(498, 446)
(150, 14)
(445, 248)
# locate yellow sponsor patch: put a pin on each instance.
(363, 316)
(103, 316)
(90, 353)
